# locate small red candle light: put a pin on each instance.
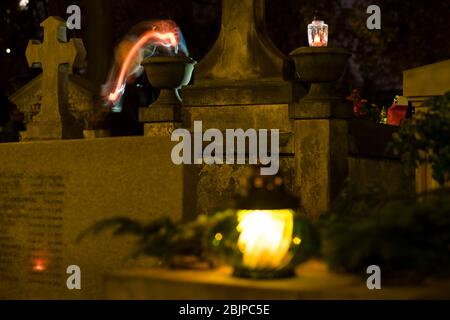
(39, 265)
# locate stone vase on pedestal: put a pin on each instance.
(168, 74)
(321, 67)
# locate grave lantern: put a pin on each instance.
(317, 32)
(264, 237)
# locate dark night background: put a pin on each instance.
(413, 33)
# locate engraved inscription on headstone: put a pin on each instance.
(31, 220)
(52, 191)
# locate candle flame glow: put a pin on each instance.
(317, 39)
(265, 237)
(39, 265)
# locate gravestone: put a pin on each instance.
(420, 84)
(51, 191)
(47, 99)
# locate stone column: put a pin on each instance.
(243, 82)
(330, 145)
(321, 162)
(243, 67)
(320, 129)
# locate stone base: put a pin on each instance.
(94, 134)
(160, 113)
(160, 129)
(265, 116)
(225, 181)
(42, 130)
(314, 282)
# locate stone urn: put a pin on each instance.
(321, 67)
(168, 74)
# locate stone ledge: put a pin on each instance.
(308, 109)
(313, 282)
(160, 113)
(240, 93)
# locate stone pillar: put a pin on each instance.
(244, 82)
(321, 162)
(243, 67)
(320, 129)
(332, 146)
(168, 74)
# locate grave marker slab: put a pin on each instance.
(51, 191)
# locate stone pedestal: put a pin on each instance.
(313, 282)
(244, 82)
(43, 130)
(160, 129)
(321, 67)
(168, 74)
(96, 133)
(223, 179)
(330, 145)
(321, 155)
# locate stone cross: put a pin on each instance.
(243, 67)
(56, 56)
(243, 50)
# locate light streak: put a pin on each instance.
(167, 39)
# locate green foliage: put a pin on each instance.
(162, 237)
(407, 235)
(167, 240)
(426, 138)
(404, 235)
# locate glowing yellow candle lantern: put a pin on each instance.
(265, 237)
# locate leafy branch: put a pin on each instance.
(426, 139)
(162, 237)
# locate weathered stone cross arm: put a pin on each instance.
(55, 49)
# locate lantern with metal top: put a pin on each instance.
(264, 238)
(317, 32)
